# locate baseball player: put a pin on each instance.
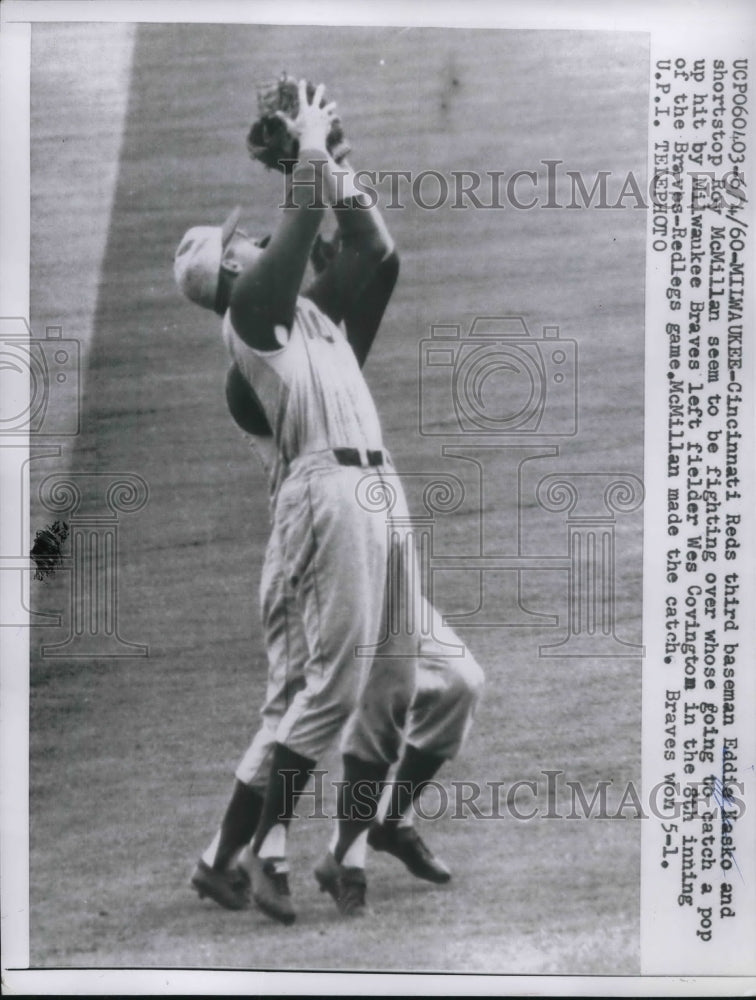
(325, 581)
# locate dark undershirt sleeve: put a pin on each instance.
(244, 406)
(349, 291)
(363, 315)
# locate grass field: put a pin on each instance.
(131, 759)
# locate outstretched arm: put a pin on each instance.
(264, 295)
(357, 283)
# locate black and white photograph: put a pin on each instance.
(376, 442)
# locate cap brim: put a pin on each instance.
(229, 226)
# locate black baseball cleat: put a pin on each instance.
(270, 888)
(406, 844)
(229, 889)
(240, 876)
(348, 886)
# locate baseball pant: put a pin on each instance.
(339, 575)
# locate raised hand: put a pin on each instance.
(313, 119)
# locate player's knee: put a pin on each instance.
(467, 679)
(346, 700)
(476, 677)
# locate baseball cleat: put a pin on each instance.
(348, 886)
(270, 888)
(229, 889)
(406, 844)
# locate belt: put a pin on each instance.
(355, 456)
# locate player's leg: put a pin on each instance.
(335, 554)
(217, 874)
(449, 681)
(342, 871)
(370, 744)
(372, 737)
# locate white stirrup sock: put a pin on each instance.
(334, 839)
(384, 804)
(274, 845)
(210, 852)
(356, 852)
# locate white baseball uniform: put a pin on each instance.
(325, 587)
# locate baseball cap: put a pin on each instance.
(196, 266)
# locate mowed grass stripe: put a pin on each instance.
(131, 760)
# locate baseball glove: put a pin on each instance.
(47, 549)
(270, 142)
